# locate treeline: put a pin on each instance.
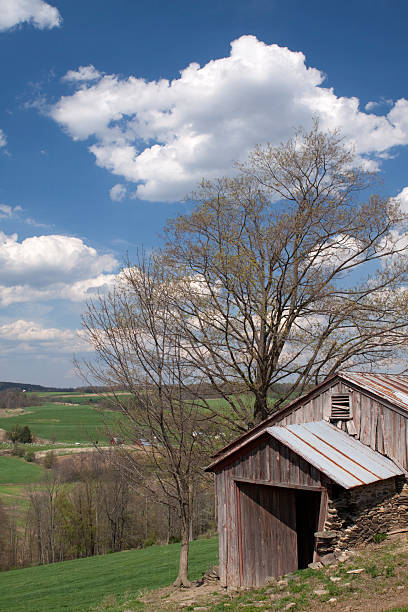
(15, 398)
(4, 385)
(87, 507)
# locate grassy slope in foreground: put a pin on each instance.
(84, 583)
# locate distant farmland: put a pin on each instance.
(63, 423)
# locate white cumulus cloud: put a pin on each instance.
(374, 105)
(51, 267)
(36, 337)
(165, 136)
(402, 199)
(117, 193)
(84, 73)
(37, 12)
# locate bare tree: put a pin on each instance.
(285, 275)
(165, 423)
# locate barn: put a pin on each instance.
(324, 473)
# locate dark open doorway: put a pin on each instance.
(307, 522)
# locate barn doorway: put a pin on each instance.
(307, 523)
(276, 527)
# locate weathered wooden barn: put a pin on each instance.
(322, 474)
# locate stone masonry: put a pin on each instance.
(358, 514)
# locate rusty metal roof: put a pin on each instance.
(392, 387)
(342, 458)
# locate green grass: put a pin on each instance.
(76, 423)
(15, 475)
(92, 400)
(84, 584)
(15, 470)
(14, 496)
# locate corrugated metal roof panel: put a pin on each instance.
(332, 451)
(393, 387)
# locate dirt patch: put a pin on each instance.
(61, 451)
(11, 412)
(172, 598)
(382, 602)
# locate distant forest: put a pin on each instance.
(15, 385)
(275, 390)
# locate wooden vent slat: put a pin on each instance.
(340, 407)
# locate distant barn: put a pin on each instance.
(322, 474)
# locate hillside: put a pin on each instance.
(105, 581)
(373, 579)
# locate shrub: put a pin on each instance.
(379, 537)
(49, 460)
(174, 539)
(30, 456)
(150, 541)
(18, 433)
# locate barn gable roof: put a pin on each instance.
(390, 387)
(343, 459)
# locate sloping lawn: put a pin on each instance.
(84, 583)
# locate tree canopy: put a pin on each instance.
(288, 272)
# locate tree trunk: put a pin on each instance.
(182, 578)
(260, 408)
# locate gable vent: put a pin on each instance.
(340, 407)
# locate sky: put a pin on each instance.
(112, 111)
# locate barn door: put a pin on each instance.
(267, 528)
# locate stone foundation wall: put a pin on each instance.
(356, 515)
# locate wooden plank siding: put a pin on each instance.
(268, 540)
(277, 471)
(272, 467)
(377, 425)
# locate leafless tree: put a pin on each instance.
(287, 274)
(166, 427)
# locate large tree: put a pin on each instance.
(165, 425)
(288, 272)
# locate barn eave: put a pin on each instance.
(336, 454)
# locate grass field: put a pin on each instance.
(14, 496)
(60, 423)
(15, 470)
(15, 475)
(83, 584)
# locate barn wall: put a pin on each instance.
(377, 425)
(356, 515)
(268, 462)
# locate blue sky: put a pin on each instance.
(111, 111)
